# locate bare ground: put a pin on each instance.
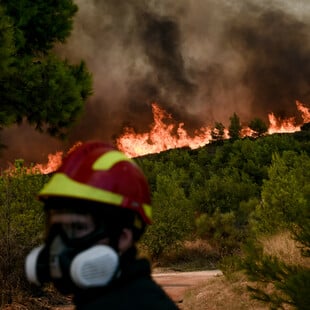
(197, 290)
(176, 284)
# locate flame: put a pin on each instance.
(161, 137)
(164, 136)
(305, 112)
(288, 125)
(247, 132)
(54, 161)
(281, 126)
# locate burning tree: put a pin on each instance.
(258, 126)
(235, 127)
(218, 132)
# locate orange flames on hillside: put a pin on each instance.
(288, 125)
(54, 161)
(166, 134)
(161, 137)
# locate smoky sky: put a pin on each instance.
(200, 60)
(276, 50)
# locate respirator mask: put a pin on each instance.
(72, 263)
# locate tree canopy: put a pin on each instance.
(235, 127)
(35, 84)
(228, 194)
(258, 126)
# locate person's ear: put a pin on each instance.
(125, 240)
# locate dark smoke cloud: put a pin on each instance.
(161, 42)
(276, 50)
(201, 60)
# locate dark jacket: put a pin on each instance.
(134, 289)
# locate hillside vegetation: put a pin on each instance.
(233, 195)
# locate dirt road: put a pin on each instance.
(177, 283)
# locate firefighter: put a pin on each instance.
(97, 206)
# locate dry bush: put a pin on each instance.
(231, 292)
(285, 248)
(47, 299)
(221, 294)
(192, 255)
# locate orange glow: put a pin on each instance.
(280, 126)
(289, 124)
(165, 134)
(247, 132)
(54, 161)
(305, 112)
(161, 137)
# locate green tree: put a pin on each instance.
(235, 127)
(173, 216)
(39, 24)
(287, 284)
(258, 126)
(37, 85)
(224, 191)
(7, 47)
(65, 90)
(285, 196)
(284, 205)
(7, 50)
(220, 230)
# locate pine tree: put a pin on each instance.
(35, 84)
(234, 128)
(285, 205)
(258, 126)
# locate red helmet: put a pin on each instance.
(98, 172)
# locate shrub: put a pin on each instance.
(220, 230)
(285, 196)
(173, 216)
(21, 226)
(285, 205)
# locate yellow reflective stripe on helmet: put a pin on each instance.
(147, 210)
(61, 185)
(109, 159)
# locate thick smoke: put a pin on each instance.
(201, 60)
(276, 51)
